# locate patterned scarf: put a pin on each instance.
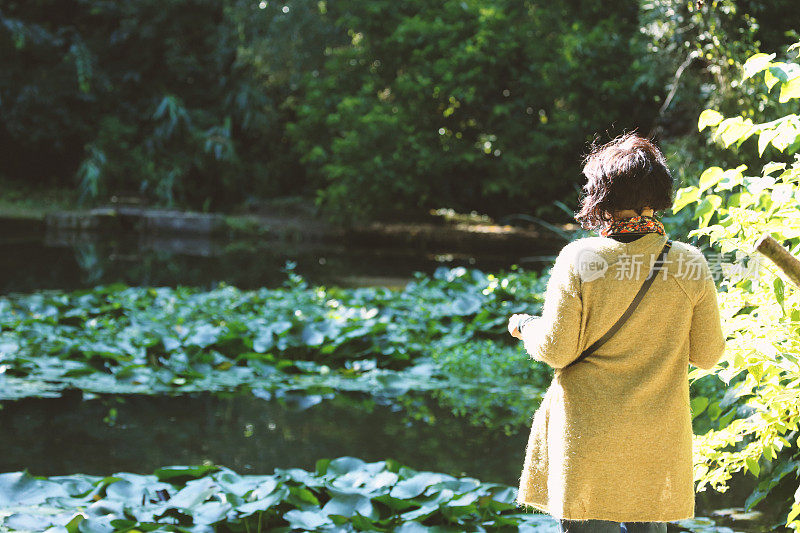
(637, 224)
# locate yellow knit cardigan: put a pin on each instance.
(612, 438)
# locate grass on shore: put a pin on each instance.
(29, 200)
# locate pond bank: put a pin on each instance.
(455, 233)
(55, 248)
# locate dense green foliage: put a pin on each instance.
(734, 207)
(153, 97)
(374, 108)
(344, 494)
(461, 102)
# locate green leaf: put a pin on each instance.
(263, 341)
(194, 494)
(424, 511)
(734, 130)
(709, 117)
(783, 71)
(714, 410)
(770, 79)
(756, 184)
(300, 495)
(756, 64)
(18, 488)
(730, 178)
(790, 90)
(795, 510)
(684, 197)
(173, 472)
(72, 525)
(763, 489)
(263, 502)
(778, 290)
(321, 466)
(204, 335)
(698, 405)
(710, 177)
(416, 485)
(344, 465)
(764, 138)
(786, 135)
(727, 417)
(783, 193)
(466, 304)
(210, 512)
(771, 167)
(753, 466)
(348, 503)
(707, 208)
(306, 520)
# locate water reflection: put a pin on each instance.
(248, 434)
(73, 260)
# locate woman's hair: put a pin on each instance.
(627, 173)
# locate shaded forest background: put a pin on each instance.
(373, 109)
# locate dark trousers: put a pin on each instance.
(604, 526)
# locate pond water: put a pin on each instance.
(255, 435)
(245, 433)
(72, 261)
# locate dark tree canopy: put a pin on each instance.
(374, 108)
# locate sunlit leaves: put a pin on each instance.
(756, 184)
(783, 133)
(734, 130)
(786, 134)
(756, 64)
(752, 465)
(706, 209)
(795, 511)
(730, 178)
(709, 117)
(779, 291)
(760, 311)
(771, 167)
(790, 89)
(710, 177)
(684, 197)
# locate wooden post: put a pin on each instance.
(788, 263)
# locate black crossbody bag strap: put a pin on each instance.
(657, 264)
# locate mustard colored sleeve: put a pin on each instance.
(706, 339)
(553, 338)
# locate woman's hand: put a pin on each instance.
(513, 322)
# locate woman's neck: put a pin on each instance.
(627, 213)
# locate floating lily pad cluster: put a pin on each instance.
(341, 495)
(124, 339)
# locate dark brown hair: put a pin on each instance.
(627, 173)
